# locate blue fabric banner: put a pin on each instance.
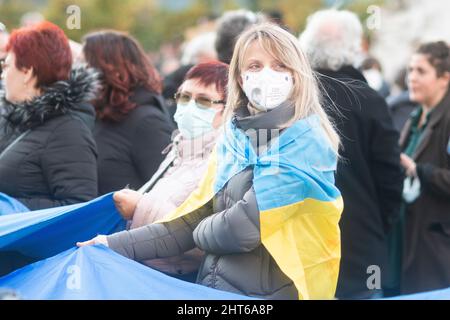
(44, 233)
(443, 294)
(10, 205)
(96, 272)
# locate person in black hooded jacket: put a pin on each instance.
(133, 126)
(47, 150)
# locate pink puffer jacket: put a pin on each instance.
(170, 192)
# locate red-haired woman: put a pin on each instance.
(132, 127)
(47, 150)
(200, 104)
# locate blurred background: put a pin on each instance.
(393, 27)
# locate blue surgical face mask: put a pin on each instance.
(194, 121)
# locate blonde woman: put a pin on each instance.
(266, 213)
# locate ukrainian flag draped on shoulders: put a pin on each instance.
(299, 205)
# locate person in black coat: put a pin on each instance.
(47, 150)
(369, 175)
(133, 126)
(425, 145)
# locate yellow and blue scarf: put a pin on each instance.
(299, 205)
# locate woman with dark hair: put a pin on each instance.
(47, 151)
(426, 160)
(132, 127)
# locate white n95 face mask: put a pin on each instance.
(267, 89)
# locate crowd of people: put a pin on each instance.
(79, 124)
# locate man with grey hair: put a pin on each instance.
(229, 27)
(369, 175)
(332, 39)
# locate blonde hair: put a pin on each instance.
(284, 47)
